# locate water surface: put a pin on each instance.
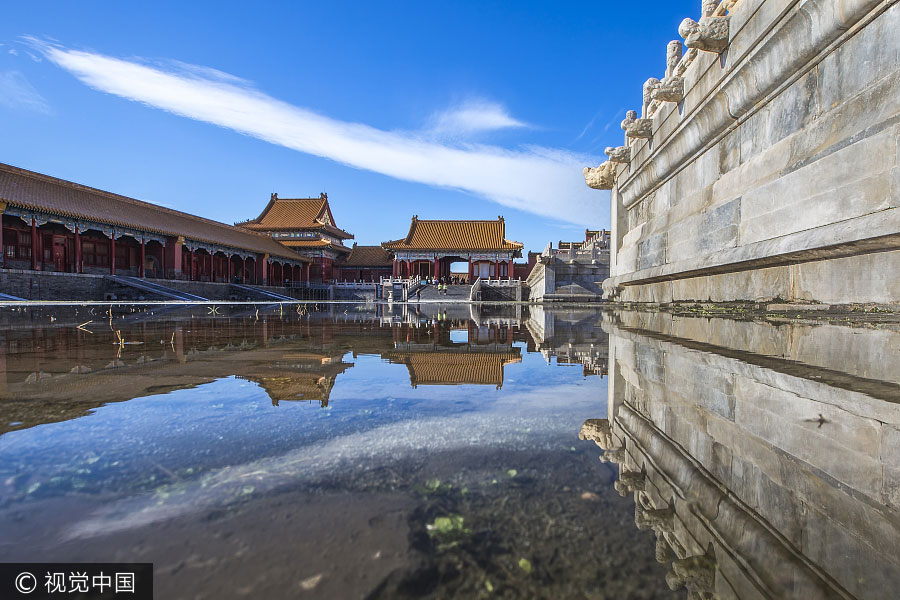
(361, 451)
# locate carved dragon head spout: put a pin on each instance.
(710, 34)
(602, 177)
(619, 154)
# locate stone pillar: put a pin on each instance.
(143, 257)
(408, 268)
(79, 267)
(112, 254)
(34, 245)
(618, 229)
(396, 266)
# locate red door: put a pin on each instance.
(59, 253)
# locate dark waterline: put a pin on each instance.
(342, 451)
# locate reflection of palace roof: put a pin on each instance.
(282, 214)
(368, 256)
(312, 379)
(454, 235)
(42, 193)
(450, 368)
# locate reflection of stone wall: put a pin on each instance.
(761, 477)
(775, 176)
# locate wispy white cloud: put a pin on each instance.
(472, 117)
(540, 180)
(18, 93)
(13, 51)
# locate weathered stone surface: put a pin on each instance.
(652, 251)
(640, 129)
(620, 154)
(674, 52)
(670, 89)
(602, 177)
(649, 86)
(710, 34)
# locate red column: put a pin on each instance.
(244, 269)
(437, 272)
(471, 279)
(2, 250)
(396, 265)
(511, 268)
(306, 272)
(190, 264)
(143, 257)
(408, 268)
(212, 267)
(78, 266)
(34, 245)
(112, 254)
(230, 268)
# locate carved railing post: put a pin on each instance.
(649, 85)
(710, 34)
(671, 88)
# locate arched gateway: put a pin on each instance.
(430, 247)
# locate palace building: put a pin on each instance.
(50, 224)
(366, 263)
(430, 247)
(305, 225)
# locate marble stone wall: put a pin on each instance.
(778, 173)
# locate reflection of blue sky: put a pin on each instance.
(227, 427)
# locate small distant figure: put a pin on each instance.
(418, 295)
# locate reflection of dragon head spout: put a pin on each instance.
(600, 432)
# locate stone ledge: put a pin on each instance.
(870, 233)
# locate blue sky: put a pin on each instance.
(445, 110)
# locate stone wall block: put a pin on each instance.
(652, 251)
(834, 188)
